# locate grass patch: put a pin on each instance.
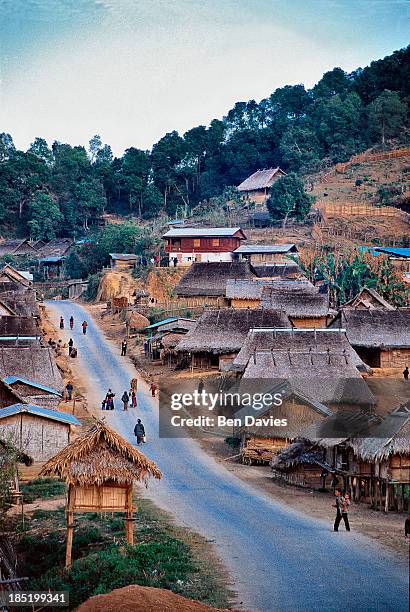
(42, 488)
(164, 556)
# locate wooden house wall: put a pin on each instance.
(318, 322)
(303, 475)
(38, 437)
(394, 358)
(242, 303)
(216, 244)
(120, 264)
(203, 300)
(399, 468)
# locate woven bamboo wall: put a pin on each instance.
(106, 498)
(400, 468)
(394, 358)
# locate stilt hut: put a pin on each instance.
(99, 468)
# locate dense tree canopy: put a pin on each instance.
(300, 130)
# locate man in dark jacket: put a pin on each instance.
(123, 348)
(70, 346)
(69, 388)
(139, 432)
(125, 400)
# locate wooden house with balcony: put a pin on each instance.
(189, 245)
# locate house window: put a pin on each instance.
(215, 241)
(197, 242)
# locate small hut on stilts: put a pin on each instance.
(99, 468)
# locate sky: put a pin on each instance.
(133, 70)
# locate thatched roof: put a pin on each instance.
(136, 320)
(210, 279)
(10, 274)
(19, 326)
(340, 427)
(375, 328)
(299, 339)
(33, 362)
(13, 246)
(391, 437)
(100, 456)
(299, 299)
(256, 288)
(368, 299)
(308, 411)
(261, 179)
(224, 331)
(297, 453)
(22, 303)
(57, 247)
(286, 270)
(329, 376)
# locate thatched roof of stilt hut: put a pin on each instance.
(137, 321)
(100, 456)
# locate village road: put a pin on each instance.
(279, 560)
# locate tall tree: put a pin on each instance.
(45, 217)
(386, 115)
(288, 199)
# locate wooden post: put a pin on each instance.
(129, 521)
(386, 501)
(70, 527)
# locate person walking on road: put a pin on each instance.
(70, 346)
(406, 373)
(125, 399)
(71, 322)
(123, 348)
(109, 400)
(139, 432)
(153, 389)
(342, 508)
(69, 388)
(84, 325)
(133, 395)
(61, 323)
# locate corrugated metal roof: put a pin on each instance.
(163, 322)
(54, 415)
(124, 256)
(201, 231)
(266, 248)
(13, 379)
(399, 252)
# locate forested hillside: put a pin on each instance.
(60, 190)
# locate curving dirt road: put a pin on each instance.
(279, 559)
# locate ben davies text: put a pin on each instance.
(223, 421)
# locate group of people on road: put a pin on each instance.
(84, 324)
(72, 351)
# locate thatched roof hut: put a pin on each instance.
(210, 279)
(296, 339)
(376, 328)
(224, 331)
(368, 299)
(329, 376)
(391, 437)
(20, 303)
(136, 321)
(260, 180)
(100, 456)
(299, 299)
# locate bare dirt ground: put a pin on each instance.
(387, 529)
(137, 598)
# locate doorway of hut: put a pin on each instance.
(370, 355)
